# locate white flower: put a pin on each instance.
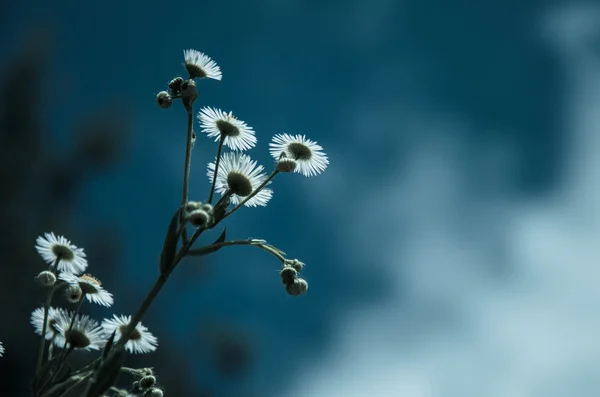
(200, 65)
(1, 349)
(240, 175)
(141, 340)
(55, 316)
(70, 258)
(91, 287)
(215, 122)
(86, 334)
(309, 156)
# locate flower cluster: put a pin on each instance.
(239, 180)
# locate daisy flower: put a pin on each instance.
(1, 349)
(216, 123)
(55, 316)
(200, 65)
(240, 175)
(86, 333)
(91, 287)
(141, 340)
(70, 258)
(310, 159)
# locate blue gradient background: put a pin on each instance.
(451, 246)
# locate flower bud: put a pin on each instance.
(73, 293)
(288, 274)
(46, 278)
(147, 382)
(192, 205)
(295, 263)
(298, 287)
(286, 164)
(199, 218)
(164, 99)
(154, 392)
(188, 92)
(175, 86)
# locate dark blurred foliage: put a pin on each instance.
(41, 183)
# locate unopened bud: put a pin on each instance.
(147, 382)
(298, 287)
(46, 278)
(188, 92)
(73, 293)
(199, 218)
(288, 274)
(175, 86)
(295, 263)
(286, 164)
(154, 392)
(164, 99)
(192, 205)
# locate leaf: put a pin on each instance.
(167, 254)
(210, 248)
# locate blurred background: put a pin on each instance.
(451, 245)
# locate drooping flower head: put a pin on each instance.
(86, 333)
(216, 123)
(240, 175)
(70, 258)
(1, 349)
(309, 156)
(55, 316)
(91, 287)
(200, 65)
(141, 340)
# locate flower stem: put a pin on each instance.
(214, 181)
(45, 325)
(187, 165)
(254, 193)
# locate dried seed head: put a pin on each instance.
(189, 93)
(73, 293)
(147, 382)
(288, 274)
(286, 164)
(46, 278)
(164, 99)
(298, 287)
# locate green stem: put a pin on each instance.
(46, 308)
(214, 181)
(187, 165)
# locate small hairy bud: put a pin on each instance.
(188, 92)
(192, 205)
(207, 207)
(298, 287)
(147, 382)
(199, 218)
(288, 274)
(286, 164)
(154, 392)
(164, 99)
(175, 86)
(46, 278)
(73, 293)
(295, 263)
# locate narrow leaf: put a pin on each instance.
(107, 374)
(170, 245)
(108, 345)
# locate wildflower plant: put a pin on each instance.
(234, 176)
